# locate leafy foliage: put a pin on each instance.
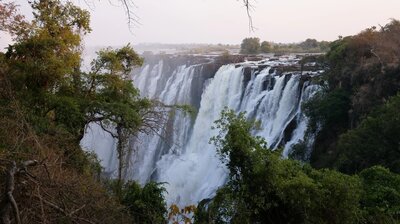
(250, 45)
(374, 142)
(147, 204)
(47, 101)
(184, 215)
(381, 197)
(266, 47)
(12, 21)
(263, 188)
(328, 109)
(366, 68)
(328, 116)
(253, 46)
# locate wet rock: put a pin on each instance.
(262, 67)
(287, 134)
(246, 75)
(254, 58)
(268, 83)
(271, 71)
(304, 78)
(287, 77)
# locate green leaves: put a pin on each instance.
(374, 142)
(328, 109)
(57, 98)
(147, 203)
(250, 45)
(381, 198)
(264, 188)
(113, 98)
(117, 62)
(56, 17)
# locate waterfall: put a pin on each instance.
(183, 157)
(150, 147)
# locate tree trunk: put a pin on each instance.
(121, 155)
(8, 202)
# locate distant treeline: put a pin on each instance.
(252, 45)
(186, 48)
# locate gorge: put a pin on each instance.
(269, 90)
(257, 132)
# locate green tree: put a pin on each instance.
(109, 99)
(42, 76)
(309, 44)
(374, 142)
(328, 113)
(40, 66)
(45, 104)
(266, 47)
(381, 196)
(264, 188)
(250, 45)
(45, 68)
(366, 68)
(324, 46)
(50, 50)
(146, 204)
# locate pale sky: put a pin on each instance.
(225, 21)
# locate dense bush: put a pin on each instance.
(146, 204)
(381, 196)
(376, 141)
(366, 68)
(266, 47)
(264, 188)
(250, 45)
(46, 101)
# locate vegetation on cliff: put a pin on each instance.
(264, 188)
(357, 125)
(252, 45)
(46, 102)
(357, 114)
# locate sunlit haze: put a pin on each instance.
(225, 21)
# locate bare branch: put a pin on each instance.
(8, 201)
(379, 58)
(133, 19)
(106, 130)
(249, 8)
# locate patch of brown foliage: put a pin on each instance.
(52, 191)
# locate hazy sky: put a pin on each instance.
(225, 21)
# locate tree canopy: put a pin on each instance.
(250, 45)
(47, 102)
(264, 188)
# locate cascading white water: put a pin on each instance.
(184, 159)
(301, 120)
(196, 173)
(176, 91)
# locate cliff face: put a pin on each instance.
(363, 73)
(270, 90)
(203, 68)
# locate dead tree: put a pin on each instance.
(8, 205)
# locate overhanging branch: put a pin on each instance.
(249, 8)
